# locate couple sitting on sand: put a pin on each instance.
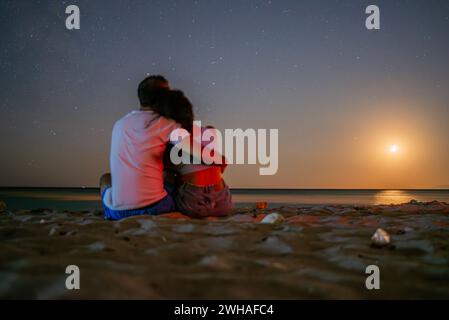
(143, 180)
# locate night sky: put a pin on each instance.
(338, 93)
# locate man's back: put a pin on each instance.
(138, 143)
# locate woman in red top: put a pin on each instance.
(200, 189)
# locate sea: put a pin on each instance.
(74, 199)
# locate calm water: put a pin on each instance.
(88, 199)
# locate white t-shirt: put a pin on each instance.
(138, 144)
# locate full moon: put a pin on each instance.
(394, 148)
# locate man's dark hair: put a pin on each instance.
(149, 88)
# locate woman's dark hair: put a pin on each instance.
(173, 104)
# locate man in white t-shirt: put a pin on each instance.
(136, 185)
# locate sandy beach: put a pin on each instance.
(316, 252)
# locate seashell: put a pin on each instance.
(380, 238)
(273, 218)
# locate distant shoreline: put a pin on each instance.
(89, 198)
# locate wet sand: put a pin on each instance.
(316, 252)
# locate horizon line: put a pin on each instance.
(255, 188)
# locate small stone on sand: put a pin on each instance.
(52, 231)
(96, 246)
(214, 261)
(184, 228)
(274, 245)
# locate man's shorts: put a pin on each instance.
(167, 204)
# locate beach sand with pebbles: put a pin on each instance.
(315, 252)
